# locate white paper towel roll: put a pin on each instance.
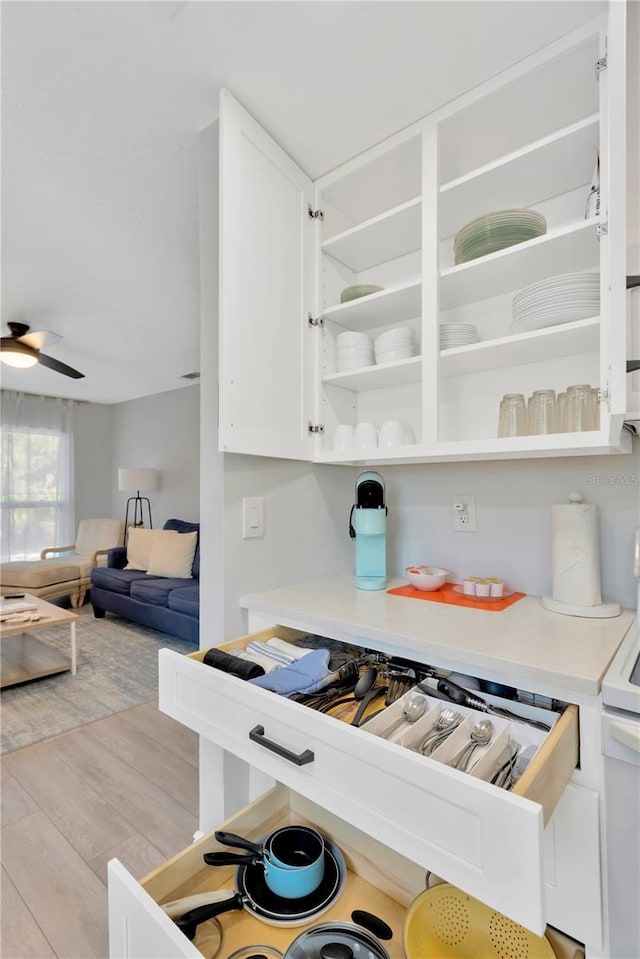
(575, 547)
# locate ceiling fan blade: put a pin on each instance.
(40, 338)
(59, 367)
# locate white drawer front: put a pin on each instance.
(138, 927)
(484, 840)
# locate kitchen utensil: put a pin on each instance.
(337, 940)
(462, 697)
(444, 725)
(365, 682)
(256, 952)
(480, 736)
(253, 894)
(412, 711)
(208, 938)
(518, 767)
(367, 698)
(445, 922)
(292, 859)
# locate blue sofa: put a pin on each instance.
(169, 605)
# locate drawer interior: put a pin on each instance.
(548, 772)
(379, 880)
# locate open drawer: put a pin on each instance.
(378, 881)
(484, 840)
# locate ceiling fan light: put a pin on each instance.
(17, 359)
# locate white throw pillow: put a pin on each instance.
(172, 553)
(139, 548)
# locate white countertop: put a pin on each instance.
(525, 642)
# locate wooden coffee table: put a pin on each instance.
(22, 656)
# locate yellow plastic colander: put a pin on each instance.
(445, 923)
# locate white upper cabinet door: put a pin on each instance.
(613, 241)
(266, 269)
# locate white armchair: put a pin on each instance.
(65, 570)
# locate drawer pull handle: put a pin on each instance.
(301, 759)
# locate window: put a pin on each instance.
(37, 474)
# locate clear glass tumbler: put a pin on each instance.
(561, 412)
(513, 415)
(542, 412)
(579, 409)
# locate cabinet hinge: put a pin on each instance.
(602, 228)
(315, 427)
(314, 320)
(604, 395)
(315, 214)
(601, 65)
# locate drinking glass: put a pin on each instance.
(542, 412)
(513, 415)
(579, 409)
(561, 412)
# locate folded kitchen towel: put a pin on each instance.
(279, 657)
(305, 675)
(290, 649)
(268, 664)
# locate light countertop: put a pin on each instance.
(524, 643)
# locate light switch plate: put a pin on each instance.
(252, 517)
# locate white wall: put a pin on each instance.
(513, 501)
(92, 440)
(160, 431)
(305, 528)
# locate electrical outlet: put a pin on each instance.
(463, 512)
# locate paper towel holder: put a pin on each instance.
(595, 611)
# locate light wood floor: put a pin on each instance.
(123, 786)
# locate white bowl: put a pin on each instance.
(390, 356)
(427, 578)
(349, 338)
(354, 353)
(397, 337)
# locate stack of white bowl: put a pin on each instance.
(353, 351)
(397, 344)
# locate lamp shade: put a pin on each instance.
(137, 478)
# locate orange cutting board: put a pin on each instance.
(446, 595)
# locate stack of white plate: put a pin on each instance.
(353, 351)
(556, 300)
(457, 334)
(397, 344)
(361, 289)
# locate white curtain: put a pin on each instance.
(37, 474)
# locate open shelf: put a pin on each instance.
(569, 339)
(394, 305)
(382, 238)
(547, 167)
(378, 377)
(569, 250)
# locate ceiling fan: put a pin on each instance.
(22, 349)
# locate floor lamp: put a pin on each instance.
(137, 478)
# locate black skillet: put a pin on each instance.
(253, 894)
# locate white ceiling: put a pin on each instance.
(101, 107)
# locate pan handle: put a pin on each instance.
(257, 736)
(231, 839)
(231, 858)
(192, 919)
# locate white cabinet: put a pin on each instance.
(528, 138)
